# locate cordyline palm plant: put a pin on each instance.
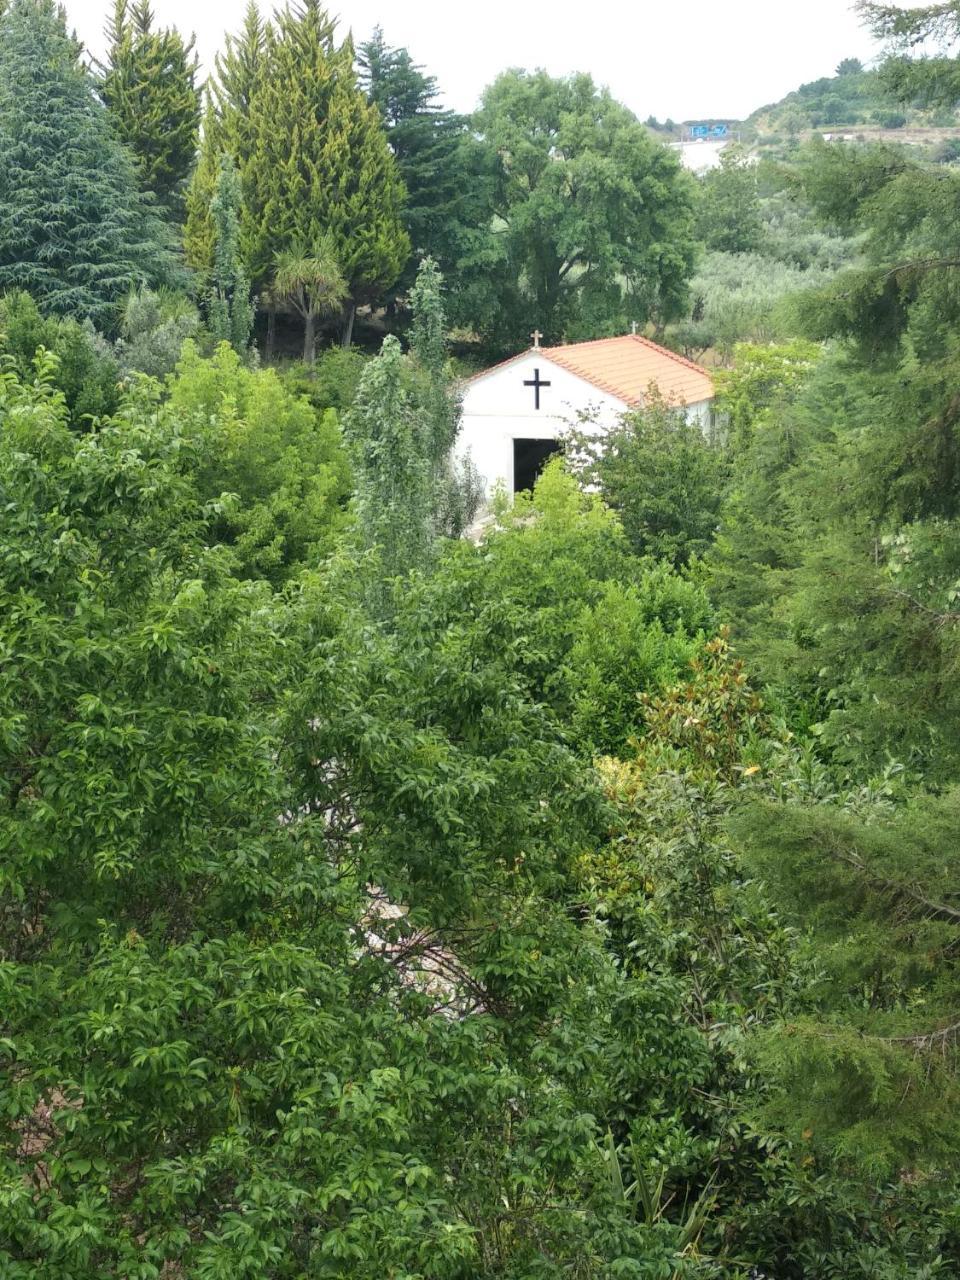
(309, 279)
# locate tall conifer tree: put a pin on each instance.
(149, 85)
(449, 175)
(74, 229)
(226, 129)
(320, 163)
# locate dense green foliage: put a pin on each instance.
(229, 306)
(574, 900)
(87, 371)
(279, 464)
(564, 255)
(663, 476)
(447, 173)
(74, 229)
(223, 1054)
(312, 157)
(729, 214)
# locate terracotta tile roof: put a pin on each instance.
(625, 367)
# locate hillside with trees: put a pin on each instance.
(573, 900)
(854, 96)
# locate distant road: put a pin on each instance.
(700, 154)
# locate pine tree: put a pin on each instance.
(447, 173)
(320, 162)
(149, 85)
(230, 312)
(74, 230)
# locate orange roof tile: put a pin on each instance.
(626, 366)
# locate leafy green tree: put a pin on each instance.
(841, 181)
(931, 80)
(332, 382)
(74, 230)
(873, 1069)
(447, 173)
(230, 310)
(761, 380)
(205, 995)
(149, 85)
(588, 625)
(282, 461)
(391, 461)
(728, 214)
(310, 281)
(848, 612)
(86, 369)
(593, 222)
(402, 428)
(662, 475)
(153, 330)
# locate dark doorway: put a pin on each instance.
(529, 457)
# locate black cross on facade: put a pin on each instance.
(536, 384)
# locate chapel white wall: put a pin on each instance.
(498, 409)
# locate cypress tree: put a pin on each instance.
(226, 129)
(199, 232)
(320, 163)
(75, 232)
(149, 85)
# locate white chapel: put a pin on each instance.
(516, 414)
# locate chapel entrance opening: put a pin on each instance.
(529, 459)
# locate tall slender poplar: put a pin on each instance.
(230, 311)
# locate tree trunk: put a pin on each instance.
(271, 330)
(309, 339)
(347, 336)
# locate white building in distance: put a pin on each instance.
(516, 414)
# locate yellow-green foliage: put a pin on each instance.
(319, 158)
(284, 461)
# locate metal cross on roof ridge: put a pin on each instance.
(536, 336)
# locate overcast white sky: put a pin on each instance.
(681, 58)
